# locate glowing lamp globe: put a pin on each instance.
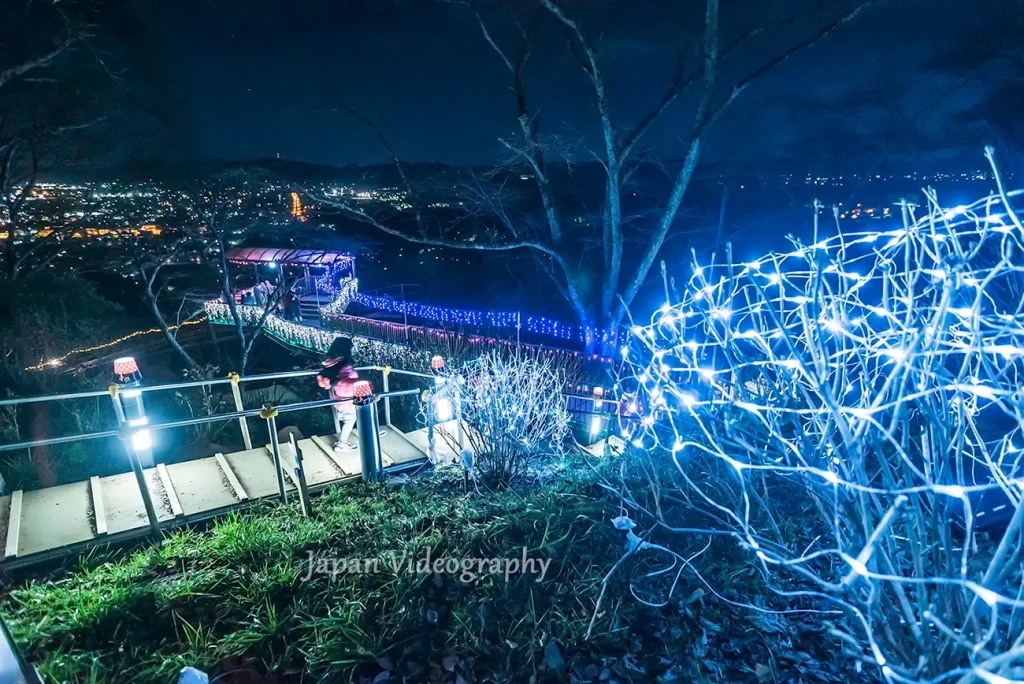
(437, 363)
(361, 389)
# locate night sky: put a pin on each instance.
(250, 80)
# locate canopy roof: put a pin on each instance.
(288, 257)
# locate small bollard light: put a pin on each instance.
(443, 409)
(131, 412)
(132, 408)
(142, 440)
(597, 421)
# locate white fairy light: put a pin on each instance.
(956, 491)
(874, 433)
(857, 566)
(987, 595)
(954, 212)
(895, 354)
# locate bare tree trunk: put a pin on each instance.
(165, 329)
(41, 455)
(229, 298)
(720, 232)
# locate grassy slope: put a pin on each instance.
(230, 599)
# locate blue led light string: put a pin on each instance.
(536, 325)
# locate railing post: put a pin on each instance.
(437, 366)
(132, 410)
(133, 460)
(387, 400)
(242, 422)
(369, 432)
(140, 478)
(300, 479)
(269, 414)
(118, 411)
(334, 412)
(597, 425)
(431, 418)
(457, 396)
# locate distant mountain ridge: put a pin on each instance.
(281, 168)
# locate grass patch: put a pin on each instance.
(232, 600)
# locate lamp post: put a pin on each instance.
(442, 404)
(436, 366)
(269, 414)
(369, 431)
(447, 402)
(596, 419)
(132, 409)
(131, 416)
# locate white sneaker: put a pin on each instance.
(345, 446)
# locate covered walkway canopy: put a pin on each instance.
(288, 257)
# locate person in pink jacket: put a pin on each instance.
(338, 374)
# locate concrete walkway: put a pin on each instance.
(46, 523)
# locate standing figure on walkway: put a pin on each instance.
(338, 374)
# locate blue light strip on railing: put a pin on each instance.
(537, 325)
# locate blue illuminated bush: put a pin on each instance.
(849, 413)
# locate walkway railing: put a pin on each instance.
(136, 431)
(98, 508)
(400, 335)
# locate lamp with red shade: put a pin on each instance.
(127, 370)
(361, 391)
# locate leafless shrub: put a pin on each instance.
(513, 409)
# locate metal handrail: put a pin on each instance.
(190, 383)
(240, 415)
(202, 420)
(49, 441)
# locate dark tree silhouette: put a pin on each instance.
(601, 262)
